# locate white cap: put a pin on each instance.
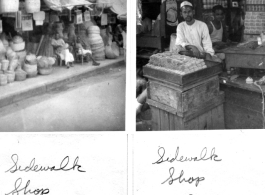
(184, 3)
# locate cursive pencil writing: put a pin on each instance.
(37, 168)
(26, 189)
(203, 156)
(181, 178)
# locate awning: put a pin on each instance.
(59, 5)
(119, 6)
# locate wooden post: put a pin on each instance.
(163, 24)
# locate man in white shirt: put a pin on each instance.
(193, 35)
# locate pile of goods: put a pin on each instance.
(16, 65)
(176, 63)
(96, 43)
(45, 64)
(30, 65)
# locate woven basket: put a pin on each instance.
(32, 6)
(93, 30)
(96, 43)
(20, 75)
(99, 51)
(45, 71)
(112, 51)
(7, 6)
(5, 64)
(3, 79)
(30, 68)
(10, 76)
(32, 74)
(17, 46)
(21, 55)
(97, 46)
(13, 64)
(99, 57)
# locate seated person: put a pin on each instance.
(217, 30)
(193, 35)
(62, 50)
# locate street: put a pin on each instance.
(93, 104)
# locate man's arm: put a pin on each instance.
(206, 40)
(180, 40)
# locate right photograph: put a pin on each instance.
(200, 64)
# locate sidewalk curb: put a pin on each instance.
(50, 85)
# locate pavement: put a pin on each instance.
(95, 103)
(20, 90)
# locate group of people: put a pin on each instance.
(203, 40)
(62, 50)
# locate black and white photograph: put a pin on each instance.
(62, 65)
(177, 108)
(200, 65)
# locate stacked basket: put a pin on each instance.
(96, 43)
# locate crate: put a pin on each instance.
(191, 101)
(238, 58)
(209, 115)
(184, 81)
(183, 100)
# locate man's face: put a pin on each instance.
(187, 13)
(218, 15)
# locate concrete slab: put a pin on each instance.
(20, 90)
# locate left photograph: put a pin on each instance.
(62, 65)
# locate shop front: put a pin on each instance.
(53, 41)
(188, 91)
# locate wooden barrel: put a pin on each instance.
(32, 6)
(7, 6)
